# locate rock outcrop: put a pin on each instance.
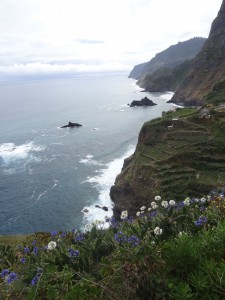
(208, 68)
(71, 125)
(143, 102)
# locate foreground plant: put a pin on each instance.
(170, 250)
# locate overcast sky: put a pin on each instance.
(63, 36)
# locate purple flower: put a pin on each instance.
(34, 243)
(133, 240)
(19, 246)
(54, 233)
(4, 273)
(120, 237)
(35, 251)
(26, 250)
(201, 221)
(202, 208)
(37, 276)
(73, 253)
(63, 234)
(114, 223)
(12, 276)
(79, 238)
(23, 260)
(35, 280)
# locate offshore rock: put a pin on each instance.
(143, 102)
(71, 125)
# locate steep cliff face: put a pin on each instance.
(208, 67)
(165, 79)
(185, 159)
(169, 58)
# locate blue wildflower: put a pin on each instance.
(79, 238)
(4, 273)
(114, 223)
(37, 276)
(54, 233)
(35, 251)
(23, 260)
(35, 280)
(73, 253)
(26, 250)
(201, 221)
(34, 243)
(63, 234)
(120, 237)
(133, 240)
(12, 276)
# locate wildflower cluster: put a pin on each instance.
(71, 261)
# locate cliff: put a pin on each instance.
(169, 58)
(208, 69)
(177, 155)
(181, 153)
(165, 79)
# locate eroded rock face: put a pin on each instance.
(208, 67)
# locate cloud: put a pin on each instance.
(37, 68)
(66, 35)
(85, 41)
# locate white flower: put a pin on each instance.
(51, 245)
(149, 209)
(172, 202)
(157, 198)
(203, 200)
(157, 231)
(138, 214)
(164, 204)
(187, 201)
(143, 208)
(182, 233)
(88, 227)
(154, 205)
(124, 215)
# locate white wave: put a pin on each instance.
(103, 182)
(89, 161)
(46, 191)
(9, 152)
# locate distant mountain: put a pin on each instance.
(169, 58)
(206, 78)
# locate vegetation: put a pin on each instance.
(170, 250)
(177, 155)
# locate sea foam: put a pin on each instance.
(103, 182)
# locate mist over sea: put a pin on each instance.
(48, 175)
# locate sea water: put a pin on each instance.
(49, 174)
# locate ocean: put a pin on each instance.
(50, 175)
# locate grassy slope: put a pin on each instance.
(187, 160)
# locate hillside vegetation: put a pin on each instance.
(180, 154)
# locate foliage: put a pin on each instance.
(170, 250)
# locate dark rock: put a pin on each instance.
(105, 208)
(97, 206)
(71, 125)
(143, 102)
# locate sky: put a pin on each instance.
(42, 37)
